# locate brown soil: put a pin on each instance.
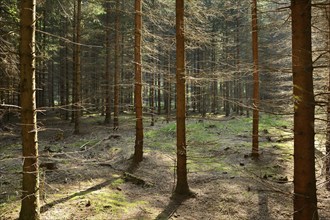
(86, 180)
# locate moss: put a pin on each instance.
(116, 201)
(117, 182)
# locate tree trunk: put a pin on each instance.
(327, 145)
(159, 107)
(74, 54)
(255, 127)
(107, 66)
(138, 153)
(62, 58)
(117, 76)
(67, 80)
(30, 208)
(152, 98)
(305, 201)
(182, 181)
(77, 75)
(167, 94)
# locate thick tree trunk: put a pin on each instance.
(305, 201)
(255, 127)
(138, 153)
(182, 181)
(30, 208)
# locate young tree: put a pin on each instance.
(138, 153)
(305, 201)
(182, 181)
(255, 129)
(30, 208)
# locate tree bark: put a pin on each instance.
(255, 127)
(30, 206)
(182, 181)
(305, 201)
(138, 153)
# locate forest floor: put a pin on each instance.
(85, 176)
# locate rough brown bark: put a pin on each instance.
(30, 206)
(255, 127)
(182, 180)
(138, 153)
(305, 201)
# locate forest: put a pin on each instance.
(163, 109)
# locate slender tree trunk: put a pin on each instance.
(182, 181)
(327, 145)
(239, 80)
(67, 80)
(152, 99)
(138, 153)
(226, 84)
(62, 89)
(117, 73)
(30, 206)
(51, 85)
(305, 201)
(169, 89)
(255, 129)
(77, 75)
(74, 54)
(198, 87)
(214, 83)
(159, 109)
(107, 66)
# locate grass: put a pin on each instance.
(106, 199)
(208, 141)
(214, 147)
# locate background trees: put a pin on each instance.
(218, 57)
(217, 64)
